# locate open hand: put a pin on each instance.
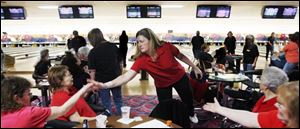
(212, 107)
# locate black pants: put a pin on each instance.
(269, 49)
(124, 54)
(184, 91)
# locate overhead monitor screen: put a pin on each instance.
(16, 13)
(153, 12)
(134, 12)
(271, 12)
(203, 12)
(66, 12)
(86, 12)
(223, 12)
(2, 14)
(289, 12)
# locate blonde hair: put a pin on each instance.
(289, 93)
(153, 39)
(204, 46)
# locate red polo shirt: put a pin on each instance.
(166, 70)
(270, 120)
(83, 109)
(26, 117)
(262, 106)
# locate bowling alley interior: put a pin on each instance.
(149, 64)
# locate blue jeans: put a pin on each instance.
(248, 67)
(117, 97)
(279, 62)
(288, 67)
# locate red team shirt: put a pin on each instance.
(270, 120)
(83, 109)
(26, 117)
(261, 106)
(166, 70)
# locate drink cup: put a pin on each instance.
(125, 112)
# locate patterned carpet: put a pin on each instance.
(140, 105)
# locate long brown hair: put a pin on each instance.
(10, 87)
(153, 39)
(95, 36)
(289, 93)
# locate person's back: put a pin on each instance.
(123, 46)
(77, 41)
(197, 42)
(105, 58)
(104, 62)
(123, 40)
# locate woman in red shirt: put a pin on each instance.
(271, 78)
(16, 111)
(61, 85)
(286, 115)
(159, 60)
(291, 53)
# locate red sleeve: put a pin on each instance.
(174, 50)
(39, 116)
(137, 65)
(59, 100)
(269, 120)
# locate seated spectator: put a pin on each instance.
(291, 53)
(271, 78)
(286, 115)
(79, 75)
(222, 59)
(41, 68)
(16, 111)
(278, 60)
(220, 56)
(204, 56)
(80, 79)
(61, 86)
(83, 53)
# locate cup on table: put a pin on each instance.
(101, 121)
(125, 112)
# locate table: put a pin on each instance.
(238, 59)
(44, 86)
(226, 78)
(112, 122)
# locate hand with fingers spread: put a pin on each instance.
(212, 107)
